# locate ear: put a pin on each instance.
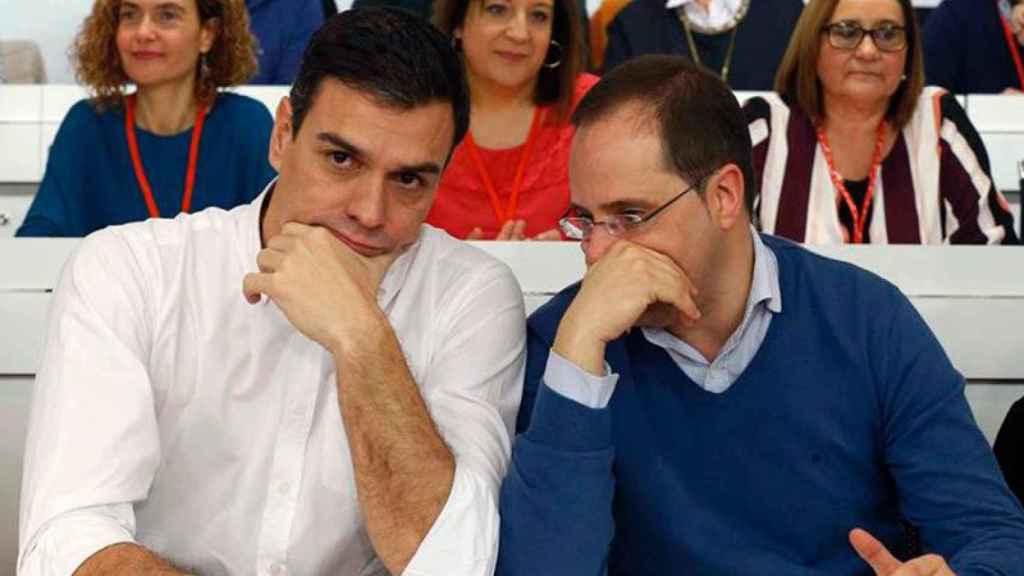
(208, 33)
(281, 137)
(725, 197)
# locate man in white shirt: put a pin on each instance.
(315, 383)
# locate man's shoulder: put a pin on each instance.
(209, 230)
(455, 262)
(545, 319)
(832, 280)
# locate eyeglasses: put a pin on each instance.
(581, 227)
(848, 35)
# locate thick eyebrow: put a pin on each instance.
(360, 154)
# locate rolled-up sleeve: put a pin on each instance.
(92, 447)
(65, 542)
(473, 390)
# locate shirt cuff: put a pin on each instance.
(574, 383)
(464, 538)
(64, 545)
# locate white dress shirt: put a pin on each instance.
(171, 413)
(717, 15)
(765, 299)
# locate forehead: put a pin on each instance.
(385, 132)
(619, 158)
(868, 11)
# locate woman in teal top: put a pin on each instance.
(175, 144)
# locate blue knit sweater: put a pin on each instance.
(90, 183)
(849, 415)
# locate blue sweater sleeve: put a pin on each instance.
(556, 501)
(55, 209)
(960, 502)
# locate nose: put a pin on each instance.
(368, 206)
(146, 29)
(595, 245)
(517, 28)
(867, 47)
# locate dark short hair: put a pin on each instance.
(555, 86)
(697, 117)
(797, 76)
(399, 59)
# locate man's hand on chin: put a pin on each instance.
(629, 285)
(327, 290)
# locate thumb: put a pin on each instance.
(475, 234)
(873, 552)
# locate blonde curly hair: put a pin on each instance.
(230, 61)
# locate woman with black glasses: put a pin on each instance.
(854, 149)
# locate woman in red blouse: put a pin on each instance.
(509, 178)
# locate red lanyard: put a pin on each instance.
(507, 212)
(140, 173)
(859, 219)
(1011, 41)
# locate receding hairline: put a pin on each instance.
(642, 111)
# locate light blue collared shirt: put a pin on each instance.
(765, 299)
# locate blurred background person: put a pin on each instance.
(509, 179)
(854, 149)
(21, 63)
(975, 46)
(174, 145)
(740, 40)
(282, 27)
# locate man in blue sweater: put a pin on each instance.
(283, 28)
(713, 401)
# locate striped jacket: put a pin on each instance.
(934, 187)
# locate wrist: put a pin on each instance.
(578, 344)
(355, 335)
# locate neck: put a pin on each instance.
(723, 299)
(166, 109)
(846, 115)
(488, 97)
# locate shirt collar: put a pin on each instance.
(252, 242)
(765, 283)
(718, 14)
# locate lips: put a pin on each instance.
(146, 55)
(512, 56)
(364, 249)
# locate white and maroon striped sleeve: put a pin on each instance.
(974, 211)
